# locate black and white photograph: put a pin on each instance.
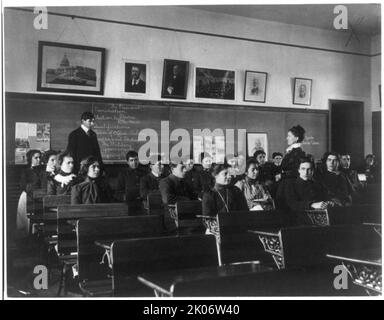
(164, 151)
(175, 79)
(135, 75)
(215, 84)
(70, 68)
(302, 91)
(255, 86)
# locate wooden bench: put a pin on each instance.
(235, 243)
(186, 217)
(155, 204)
(135, 256)
(94, 276)
(292, 282)
(355, 214)
(308, 245)
(67, 215)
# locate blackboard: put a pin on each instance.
(118, 127)
(118, 121)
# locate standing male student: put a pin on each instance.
(82, 142)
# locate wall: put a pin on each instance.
(335, 75)
(375, 73)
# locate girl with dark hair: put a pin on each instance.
(223, 197)
(50, 162)
(65, 179)
(294, 153)
(30, 180)
(94, 189)
(258, 198)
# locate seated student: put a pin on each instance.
(63, 181)
(128, 182)
(335, 182)
(304, 193)
(192, 176)
(150, 182)
(275, 166)
(370, 169)
(223, 197)
(50, 162)
(94, 189)
(31, 179)
(345, 167)
(174, 187)
(265, 175)
(258, 198)
(205, 180)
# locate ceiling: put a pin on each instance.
(364, 18)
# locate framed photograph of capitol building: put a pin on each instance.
(70, 68)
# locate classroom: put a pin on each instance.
(192, 151)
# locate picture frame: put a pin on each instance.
(70, 68)
(135, 75)
(257, 141)
(302, 93)
(255, 86)
(175, 79)
(214, 84)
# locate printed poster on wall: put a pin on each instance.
(31, 136)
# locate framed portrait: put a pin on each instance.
(135, 75)
(215, 84)
(70, 68)
(257, 141)
(175, 79)
(255, 86)
(302, 91)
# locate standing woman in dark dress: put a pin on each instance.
(291, 161)
(30, 180)
(294, 152)
(94, 189)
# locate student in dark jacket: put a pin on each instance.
(94, 189)
(224, 197)
(351, 175)
(304, 193)
(65, 179)
(83, 142)
(265, 174)
(335, 182)
(150, 182)
(31, 179)
(128, 182)
(174, 187)
(204, 180)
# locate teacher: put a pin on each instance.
(82, 142)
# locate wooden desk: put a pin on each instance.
(163, 282)
(364, 267)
